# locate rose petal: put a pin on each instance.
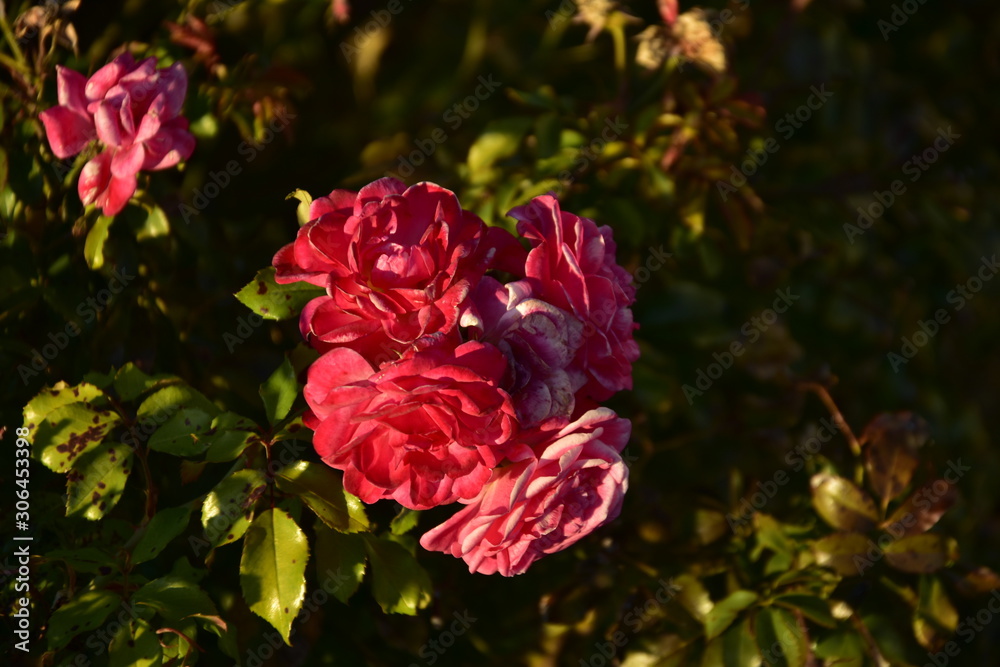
(68, 131)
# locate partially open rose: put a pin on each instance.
(134, 110)
(572, 266)
(572, 483)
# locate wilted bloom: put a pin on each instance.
(572, 266)
(425, 430)
(133, 109)
(398, 263)
(540, 342)
(572, 483)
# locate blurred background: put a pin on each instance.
(813, 181)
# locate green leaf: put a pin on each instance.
(175, 599)
(293, 430)
(229, 435)
(71, 430)
(844, 553)
(935, 618)
(272, 569)
(177, 435)
(499, 140)
(921, 554)
(273, 301)
(279, 392)
(815, 609)
(84, 559)
(225, 513)
(693, 596)
(340, 562)
(302, 210)
(843, 648)
(135, 644)
(48, 400)
(156, 223)
(161, 529)
(735, 648)
(93, 247)
(131, 382)
(842, 504)
(780, 639)
(399, 584)
(167, 401)
(320, 488)
(83, 613)
(724, 613)
(97, 480)
(405, 521)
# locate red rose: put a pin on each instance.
(425, 430)
(397, 263)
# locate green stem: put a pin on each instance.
(15, 48)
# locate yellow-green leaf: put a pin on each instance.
(272, 569)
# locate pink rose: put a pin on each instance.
(572, 266)
(397, 263)
(133, 109)
(425, 430)
(573, 484)
(540, 342)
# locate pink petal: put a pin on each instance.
(127, 161)
(148, 127)
(107, 123)
(169, 146)
(94, 178)
(68, 131)
(108, 76)
(118, 194)
(174, 83)
(70, 86)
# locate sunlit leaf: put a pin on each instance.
(842, 504)
(272, 569)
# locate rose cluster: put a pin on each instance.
(134, 110)
(439, 383)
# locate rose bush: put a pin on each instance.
(440, 384)
(133, 109)
(571, 482)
